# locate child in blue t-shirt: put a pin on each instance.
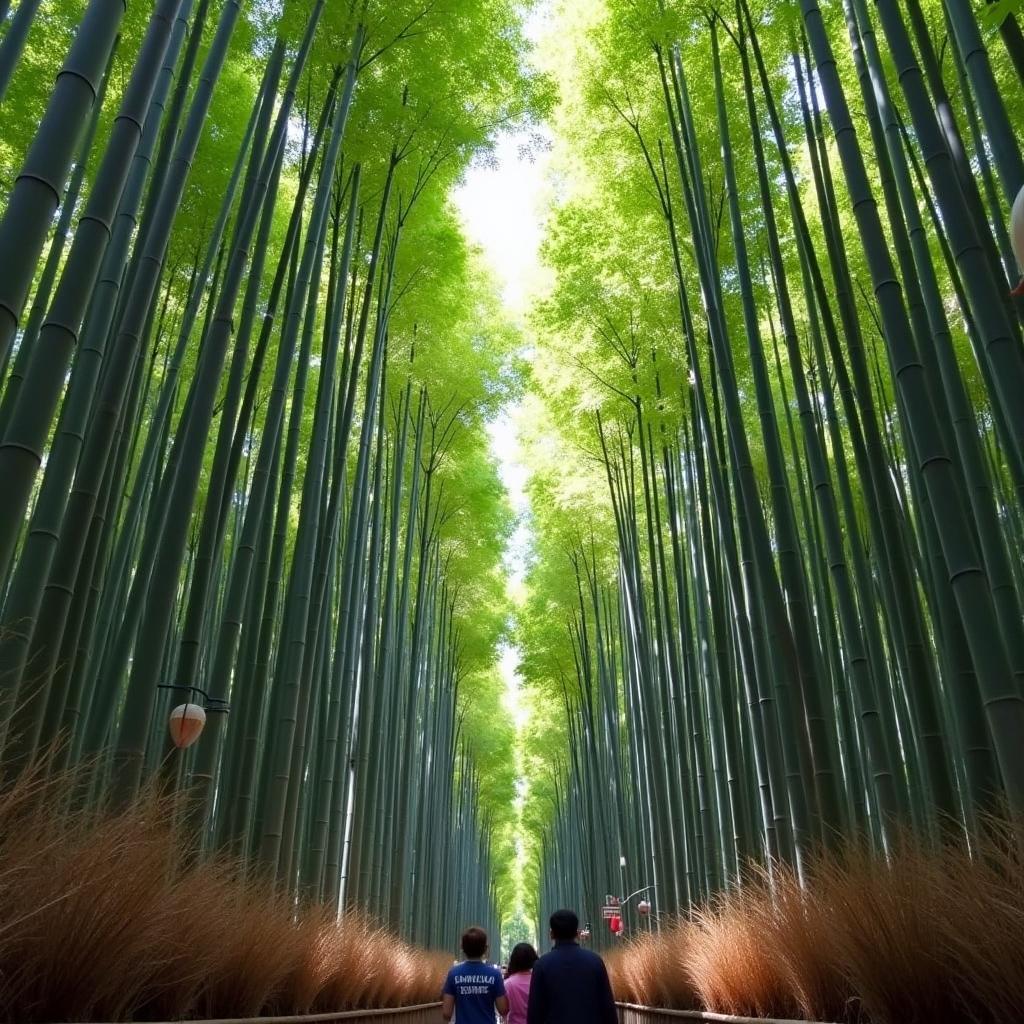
(473, 989)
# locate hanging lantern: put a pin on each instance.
(185, 724)
(644, 907)
(615, 924)
(1017, 236)
(585, 935)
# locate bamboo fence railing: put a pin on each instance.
(424, 1013)
(429, 1013)
(630, 1013)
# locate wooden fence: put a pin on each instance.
(425, 1013)
(629, 1013)
(429, 1013)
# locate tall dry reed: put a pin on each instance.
(651, 970)
(929, 935)
(109, 916)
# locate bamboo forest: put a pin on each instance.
(463, 459)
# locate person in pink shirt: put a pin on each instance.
(517, 981)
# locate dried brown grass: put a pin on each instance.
(651, 970)
(929, 935)
(108, 916)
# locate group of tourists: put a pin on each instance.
(568, 985)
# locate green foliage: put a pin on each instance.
(432, 88)
(729, 484)
(613, 381)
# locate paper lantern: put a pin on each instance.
(185, 724)
(1017, 236)
(585, 935)
(615, 923)
(644, 907)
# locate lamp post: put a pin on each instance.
(622, 879)
(643, 907)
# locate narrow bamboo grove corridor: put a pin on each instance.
(460, 460)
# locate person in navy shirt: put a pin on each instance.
(474, 990)
(570, 985)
